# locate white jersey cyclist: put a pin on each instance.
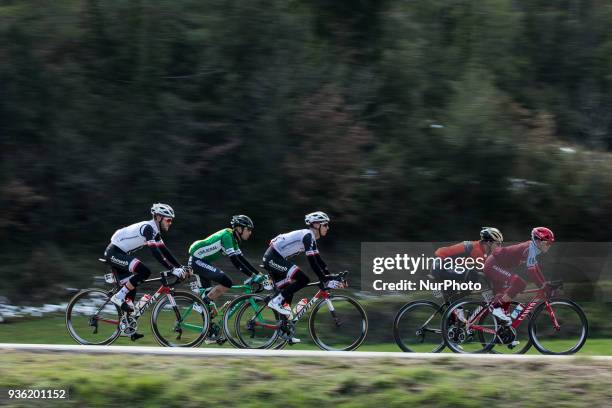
(287, 276)
(125, 241)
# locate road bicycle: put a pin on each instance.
(336, 322)
(417, 326)
(222, 327)
(555, 325)
(92, 319)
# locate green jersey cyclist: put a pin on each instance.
(204, 252)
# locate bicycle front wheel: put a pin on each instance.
(558, 327)
(417, 327)
(338, 323)
(180, 320)
(92, 319)
(257, 326)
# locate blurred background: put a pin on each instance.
(404, 120)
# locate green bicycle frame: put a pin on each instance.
(246, 289)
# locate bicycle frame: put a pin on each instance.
(247, 291)
(540, 295)
(164, 289)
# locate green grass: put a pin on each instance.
(163, 381)
(52, 330)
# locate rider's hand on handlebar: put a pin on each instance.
(333, 284)
(180, 273)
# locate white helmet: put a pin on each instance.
(317, 216)
(162, 209)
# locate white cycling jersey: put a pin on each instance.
(295, 242)
(135, 236)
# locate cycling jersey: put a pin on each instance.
(513, 256)
(293, 243)
(468, 249)
(145, 233)
(222, 242)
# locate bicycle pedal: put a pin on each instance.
(136, 336)
(221, 340)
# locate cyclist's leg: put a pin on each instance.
(208, 273)
(129, 265)
(287, 277)
(505, 286)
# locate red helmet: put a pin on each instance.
(543, 234)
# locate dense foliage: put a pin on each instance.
(405, 120)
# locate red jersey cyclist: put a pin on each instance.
(507, 285)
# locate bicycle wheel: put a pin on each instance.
(461, 333)
(92, 319)
(180, 319)
(338, 323)
(572, 330)
(522, 335)
(256, 325)
(417, 327)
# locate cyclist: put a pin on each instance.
(204, 252)
(507, 285)
(491, 238)
(288, 276)
(132, 271)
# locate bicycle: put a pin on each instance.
(337, 322)
(417, 326)
(226, 312)
(92, 319)
(553, 323)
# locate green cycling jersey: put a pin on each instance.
(212, 247)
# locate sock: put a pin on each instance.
(122, 292)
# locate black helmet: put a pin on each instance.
(243, 221)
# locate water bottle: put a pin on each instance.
(143, 301)
(516, 312)
(300, 305)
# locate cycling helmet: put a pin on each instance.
(317, 216)
(491, 234)
(243, 221)
(543, 234)
(162, 209)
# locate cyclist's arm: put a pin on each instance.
(535, 274)
(241, 263)
(314, 258)
(154, 242)
(168, 255)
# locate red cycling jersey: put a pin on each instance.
(470, 249)
(513, 256)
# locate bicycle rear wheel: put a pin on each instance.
(522, 335)
(180, 319)
(92, 319)
(461, 335)
(572, 331)
(417, 327)
(338, 323)
(257, 326)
